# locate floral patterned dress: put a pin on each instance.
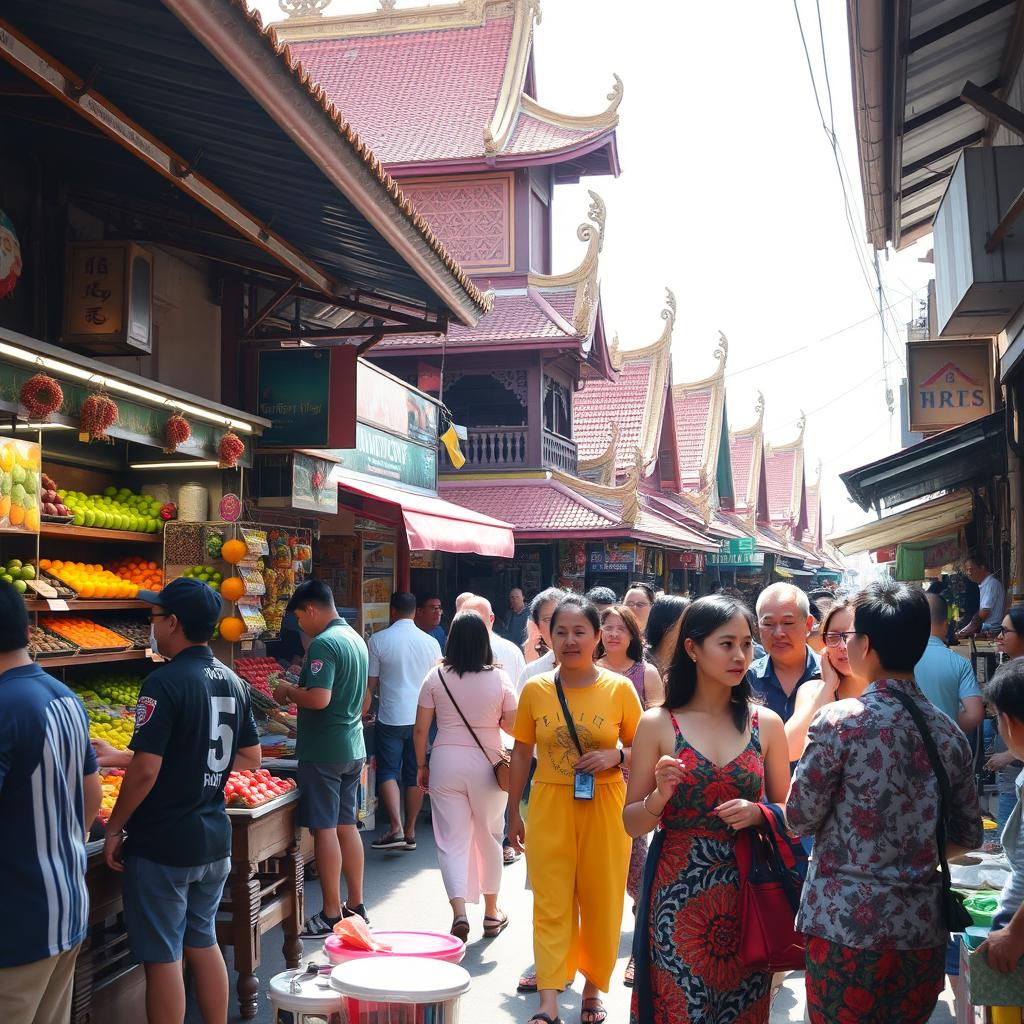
(687, 935)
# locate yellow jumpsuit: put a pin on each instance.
(577, 851)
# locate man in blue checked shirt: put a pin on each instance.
(49, 795)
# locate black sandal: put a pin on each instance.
(593, 1014)
(544, 1018)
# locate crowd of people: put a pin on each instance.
(646, 734)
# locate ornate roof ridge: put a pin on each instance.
(756, 433)
(604, 464)
(506, 108)
(797, 442)
(484, 301)
(307, 23)
(721, 353)
(757, 427)
(663, 345)
(626, 492)
(606, 120)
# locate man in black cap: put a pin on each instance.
(193, 725)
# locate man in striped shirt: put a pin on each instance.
(49, 795)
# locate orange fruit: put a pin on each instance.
(232, 589)
(232, 628)
(233, 551)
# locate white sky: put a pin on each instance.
(729, 195)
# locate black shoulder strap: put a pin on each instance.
(945, 793)
(569, 724)
(440, 675)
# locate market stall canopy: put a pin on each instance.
(954, 458)
(934, 518)
(200, 93)
(433, 524)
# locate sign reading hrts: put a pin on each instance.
(949, 383)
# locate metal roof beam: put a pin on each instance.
(926, 118)
(947, 28)
(995, 109)
(953, 147)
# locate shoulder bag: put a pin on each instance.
(499, 767)
(954, 914)
(772, 868)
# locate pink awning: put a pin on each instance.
(433, 524)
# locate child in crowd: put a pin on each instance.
(1005, 946)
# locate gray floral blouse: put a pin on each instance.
(865, 790)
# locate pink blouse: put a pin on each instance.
(484, 697)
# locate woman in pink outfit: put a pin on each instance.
(467, 805)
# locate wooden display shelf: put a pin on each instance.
(102, 536)
(90, 659)
(86, 605)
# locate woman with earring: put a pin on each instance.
(581, 719)
(701, 764)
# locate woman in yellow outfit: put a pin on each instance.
(577, 851)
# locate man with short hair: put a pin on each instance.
(330, 749)
(518, 617)
(428, 617)
(399, 659)
(49, 795)
(601, 597)
(945, 677)
(507, 656)
(992, 597)
(784, 621)
(193, 726)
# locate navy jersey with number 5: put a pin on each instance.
(195, 713)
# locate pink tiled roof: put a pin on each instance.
(531, 507)
(415, 96)
(813, 513)
(741, 452)
(779, 468)
(600, 402)
(563, 301)
(513, 318)
(654, 525)
(692, 409)
(532, 135)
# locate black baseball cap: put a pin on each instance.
(196, 605)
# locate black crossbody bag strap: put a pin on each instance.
(440, 675)
(945, 794)
(565, 711)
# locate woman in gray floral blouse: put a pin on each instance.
(866, 791)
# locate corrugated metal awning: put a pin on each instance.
(923, 522)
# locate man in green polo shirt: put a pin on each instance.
(330, 749)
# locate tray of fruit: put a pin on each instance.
(90, 636)
(113, 510)
(134, 631)
(110, 783)
(109, 688)
(110, 724)
(42, 644)
(89, 580)
(253, 794)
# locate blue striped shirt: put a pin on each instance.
(44, 756)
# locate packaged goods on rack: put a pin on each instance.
(19, 485)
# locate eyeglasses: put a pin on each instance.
(835, 639)
(638, 604)
(1002, 631)
(158, 615)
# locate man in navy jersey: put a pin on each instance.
(193, 725)
(49, 795)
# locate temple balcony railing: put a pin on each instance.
(503, 448)
(559, 452)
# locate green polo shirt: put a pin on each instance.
(336, 661)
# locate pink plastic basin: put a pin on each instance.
(429, 945)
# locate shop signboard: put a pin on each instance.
(613, 557)
(732, 559)
(314, 485)
(737, 544)
(950, 383)
(381, 457)
(385, 402)
(294, 394)
(692, 560)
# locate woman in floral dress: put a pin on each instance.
(700, 766)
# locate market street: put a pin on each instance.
(404, 891)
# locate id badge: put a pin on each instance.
(583, 787)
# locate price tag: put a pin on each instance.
(57, 605)
(152, 656)
(246, 645)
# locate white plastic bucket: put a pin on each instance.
(401, 990)
(298, 998)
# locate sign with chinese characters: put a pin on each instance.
(732, 559)
(949, 383)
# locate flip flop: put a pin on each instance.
(544, 1018)
(460, 928)
(527, 982)
(496, 927)
(593, 1014)
(630, 974)
(509, 856)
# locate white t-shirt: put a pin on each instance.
(400, 657)
(507, 656)
(543, 664)
(993, 597)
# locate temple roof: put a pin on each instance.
(634, 404)
(787, 493)
(814, 531)
(746, 448)
(459, 73)
(699, 415)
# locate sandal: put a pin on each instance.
(319, 926)
(593, 1014)
(544, 1019)
(509, 856)
(629, 976)
(527, 982)
(388, 841)
(496, 927)
(460, 928)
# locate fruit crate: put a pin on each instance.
(43, 644)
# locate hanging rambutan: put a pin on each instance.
(230, 449)
(99, 413)
(41, 395)
(176, 432)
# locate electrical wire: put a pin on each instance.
(869, 379)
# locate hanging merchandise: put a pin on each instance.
(41, 395)
(176, 433)
(99, 413)
(10, 256)
(229, 450)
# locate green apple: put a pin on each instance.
(6, 577)
(89, 518)
(79, 519)
(20, 586)
(14, 563)
(28, 572)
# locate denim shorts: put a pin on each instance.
(167, 907)
(396, 755)
(329, 793)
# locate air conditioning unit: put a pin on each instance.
(108, 298)
(977, 293)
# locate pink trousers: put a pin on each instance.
(468, 812)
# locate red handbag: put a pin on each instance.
(772, 867)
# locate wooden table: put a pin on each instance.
(263, 890)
